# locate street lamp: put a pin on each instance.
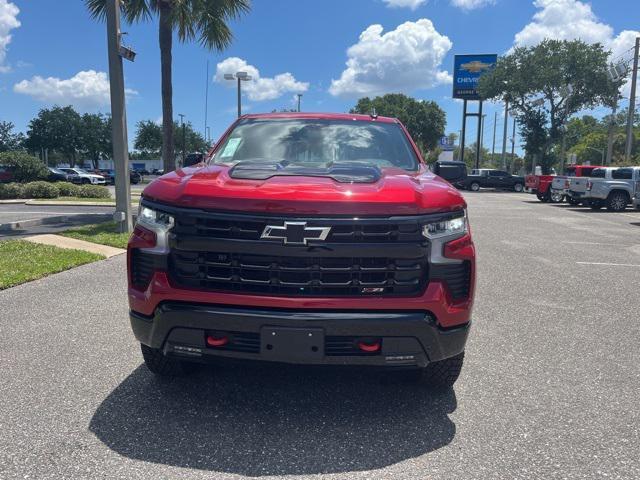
(299, 95)
(240, 77)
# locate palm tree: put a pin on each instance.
(203, 20)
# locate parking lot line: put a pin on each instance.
(609, 264)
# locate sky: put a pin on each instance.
(331, 51)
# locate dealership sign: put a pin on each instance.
(467, 71)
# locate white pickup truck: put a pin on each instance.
(578, 185)
(615, 193)
(559, 188)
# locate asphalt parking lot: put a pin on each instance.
(550, 386)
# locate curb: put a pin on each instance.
(77, 219)
(75, 244)
(14, 201)
(73, 204)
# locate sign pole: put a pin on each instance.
(479, 137)
(504, 134)
(464, 129)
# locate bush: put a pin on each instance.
(11, 190)
(67, 189)
(40, 190)
(27, 167)
(93, 191)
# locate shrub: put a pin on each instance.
(40, 190)
(27, 167)
(67, 189)
(93, 191)
(11, 190)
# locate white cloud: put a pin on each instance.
(412, 4)
(469, 5)
(402, 60)
(571, 20)
(85, 90)
(259, 88)
(8, 21)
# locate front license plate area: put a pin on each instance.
(292, 344)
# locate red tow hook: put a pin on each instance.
(214, 341)
(369, 346)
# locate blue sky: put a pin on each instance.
(52, 52)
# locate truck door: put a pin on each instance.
(498, 179)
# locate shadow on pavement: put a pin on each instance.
(274, 420)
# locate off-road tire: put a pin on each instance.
(518, 187)
(159, 364)
(442, 374)
(555, 197)
(617, 202)
(474, 187)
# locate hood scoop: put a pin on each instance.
(345, 172)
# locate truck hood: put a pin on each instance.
(396, 192)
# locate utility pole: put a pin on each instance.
(632, 101)
(184, 137)
(119, 119)
(479, 138)
(299, 97)
(513, 143)
(504, 134)
(493, 146)
(612, 128)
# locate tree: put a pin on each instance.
(546, 84)
(203, 20)
(9, 140)
(148, 139)
(425, 120)
(27, 168)
(95, 137)
(56, 128)
(194, 141)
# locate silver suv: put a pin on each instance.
(78, 175)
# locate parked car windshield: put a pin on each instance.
(317, 143)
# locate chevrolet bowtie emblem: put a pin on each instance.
(295, 233)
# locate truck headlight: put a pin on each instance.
(446, 228)
(154, 220)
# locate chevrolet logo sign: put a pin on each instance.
(295, 233)
(475, 66)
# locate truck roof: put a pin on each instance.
(321, 116)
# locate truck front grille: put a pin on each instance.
(298, 275)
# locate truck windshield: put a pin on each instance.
(317, 143)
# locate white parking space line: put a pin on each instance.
(602, 244)
(609, 264)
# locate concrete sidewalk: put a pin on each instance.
(75, 244)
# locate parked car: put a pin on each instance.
(79, 175)
(56, 175)
(491, 178)
(7, 173)
(110, 176)
(578, 193)
(157, 171)
(540, 185)
(615, 193)
(317, 239)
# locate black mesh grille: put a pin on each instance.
(302, 276)
(342, 231)
(457, 277)
(142, 267)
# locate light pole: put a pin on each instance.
(240, 77)
(117, 51)
(299, 95)
(184, 137)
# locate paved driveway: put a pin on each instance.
(550, 387)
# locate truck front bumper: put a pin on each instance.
(404, 338)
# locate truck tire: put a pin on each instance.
(544, 197)
(442, 374)
(518, 187)
(159, 364)
(555, 197)
(617, 201)
(573, 201)
(474, 187)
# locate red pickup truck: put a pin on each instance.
(541, 184)
(304, 238)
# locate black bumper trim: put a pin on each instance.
(409, 338)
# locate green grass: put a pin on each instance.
(22, 261)
(102, 233)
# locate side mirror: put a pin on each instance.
(452, 172)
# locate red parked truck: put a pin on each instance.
(304, 238)
(540, 185)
